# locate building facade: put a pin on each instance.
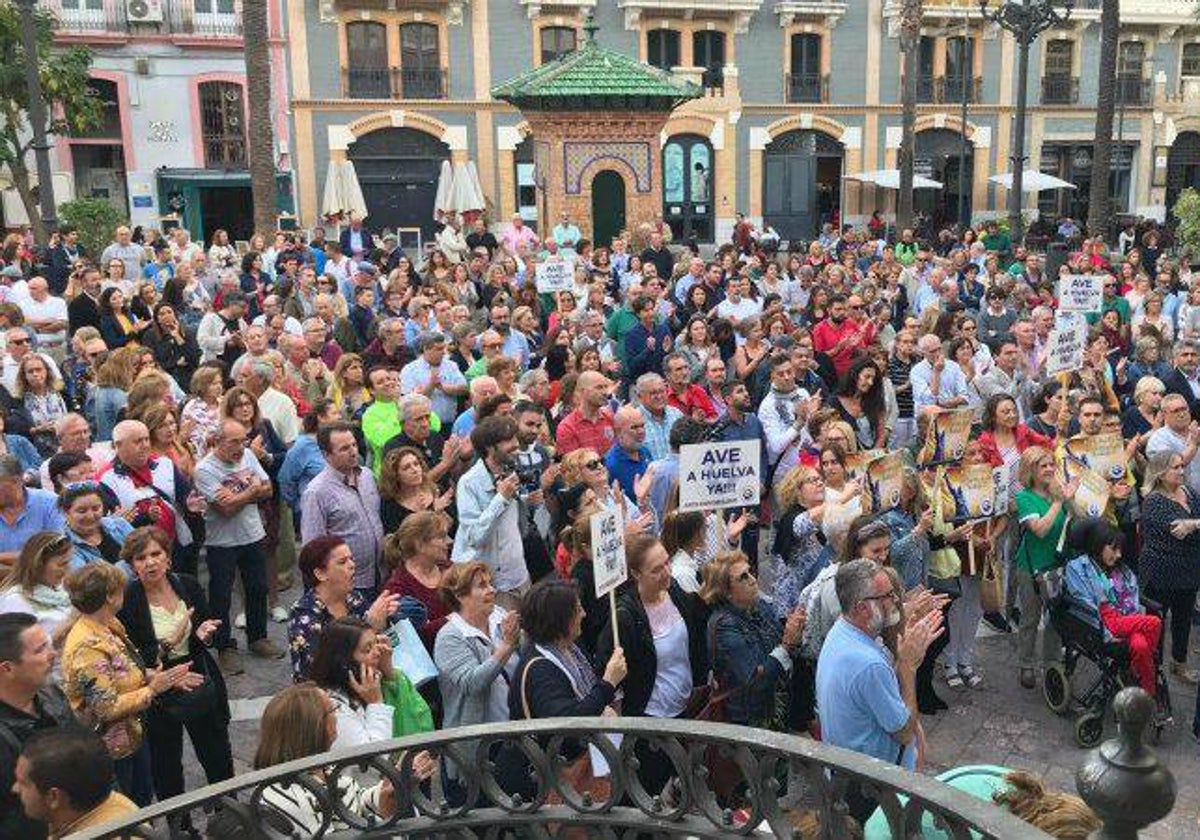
(172, 146)
(798, 94)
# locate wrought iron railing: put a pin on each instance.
(950, 89)
(1132, 90)
(1060, 90)
(926, 89)
(807, 87)
(422, 83)
(177, 18)
(367, 82)
(815, 776)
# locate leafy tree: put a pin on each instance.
(70, 103)
(1187, 211)
(95, 219)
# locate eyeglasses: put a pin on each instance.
(18, 341)
(887, 596)
(744, 577)
(593, 465)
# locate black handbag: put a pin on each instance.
(186, 706)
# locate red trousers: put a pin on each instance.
(1142, 633)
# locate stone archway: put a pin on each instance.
(398, 170)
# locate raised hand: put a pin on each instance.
(368, 687)
(382, 609)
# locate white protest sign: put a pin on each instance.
(608, 551)
(1081, 293)
(1064, 351)
(556, 275)
(722, 474)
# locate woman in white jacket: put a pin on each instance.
(300, 722)
(351, 662)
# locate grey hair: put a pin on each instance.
(10, 467)
(1186, 344)
(647, 380)
(853, 582)
(260, 367)
(60, 425)
(533, 377)
(409, 402)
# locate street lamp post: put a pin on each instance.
(1025, 20)
(37, 116)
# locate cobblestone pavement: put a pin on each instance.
(1000, 723)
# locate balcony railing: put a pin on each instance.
(393, 83)
(422, 84)
(807, 87)
(926, 90)
(950, 89)
(1060, 90)
(178, 18)
(1123, 782)
(1132, 91)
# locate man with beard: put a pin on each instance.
(838, 336)
(1182, 379)
(783, 414)
(516, 345)
(868, 703)
(489, 511)
(538, 474)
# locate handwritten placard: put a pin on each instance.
(722, 474)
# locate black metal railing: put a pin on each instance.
(950, 89)
(367, 82)
(807, 87)
(419, 83)
(1132, 90)
(926, 89)
(776, 773)
(1060, 90)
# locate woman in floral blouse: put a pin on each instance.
(104, 679)
(327, 567)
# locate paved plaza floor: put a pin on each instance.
(999, 723)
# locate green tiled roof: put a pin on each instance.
(596, 77)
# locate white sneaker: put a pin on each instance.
(240, 621)
(279, 615)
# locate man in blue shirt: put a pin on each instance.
(25, 511)
(867, 703)
(629, 457)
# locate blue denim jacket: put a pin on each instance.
(741, 644)
(301, 464)
(117, 528)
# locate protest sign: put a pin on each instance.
(947, 439)
(972, 488)
(883, 481)
(1104, 454)
(1081, 293)
(856, 462)
(1091, 498)
(556, 275)
(1064, 351)
(721, 474)
(608, 551)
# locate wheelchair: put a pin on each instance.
(1083, 639)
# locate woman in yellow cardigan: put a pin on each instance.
(104, 678)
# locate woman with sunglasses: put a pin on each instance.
(168, 621)
(34, 584)
(752, 646)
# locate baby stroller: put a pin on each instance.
(1083, 637)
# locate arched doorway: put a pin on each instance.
(1183, 166)
(802, 183)
(608, 206)
(687, 187)
(398, 170)
(938, 153)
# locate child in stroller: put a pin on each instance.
(1103, 591)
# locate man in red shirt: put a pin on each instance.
(839, 337)
(685, 395)
(590, 424)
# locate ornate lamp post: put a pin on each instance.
(1025, 19)
(37, 116)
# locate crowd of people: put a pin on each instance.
(417, 445)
